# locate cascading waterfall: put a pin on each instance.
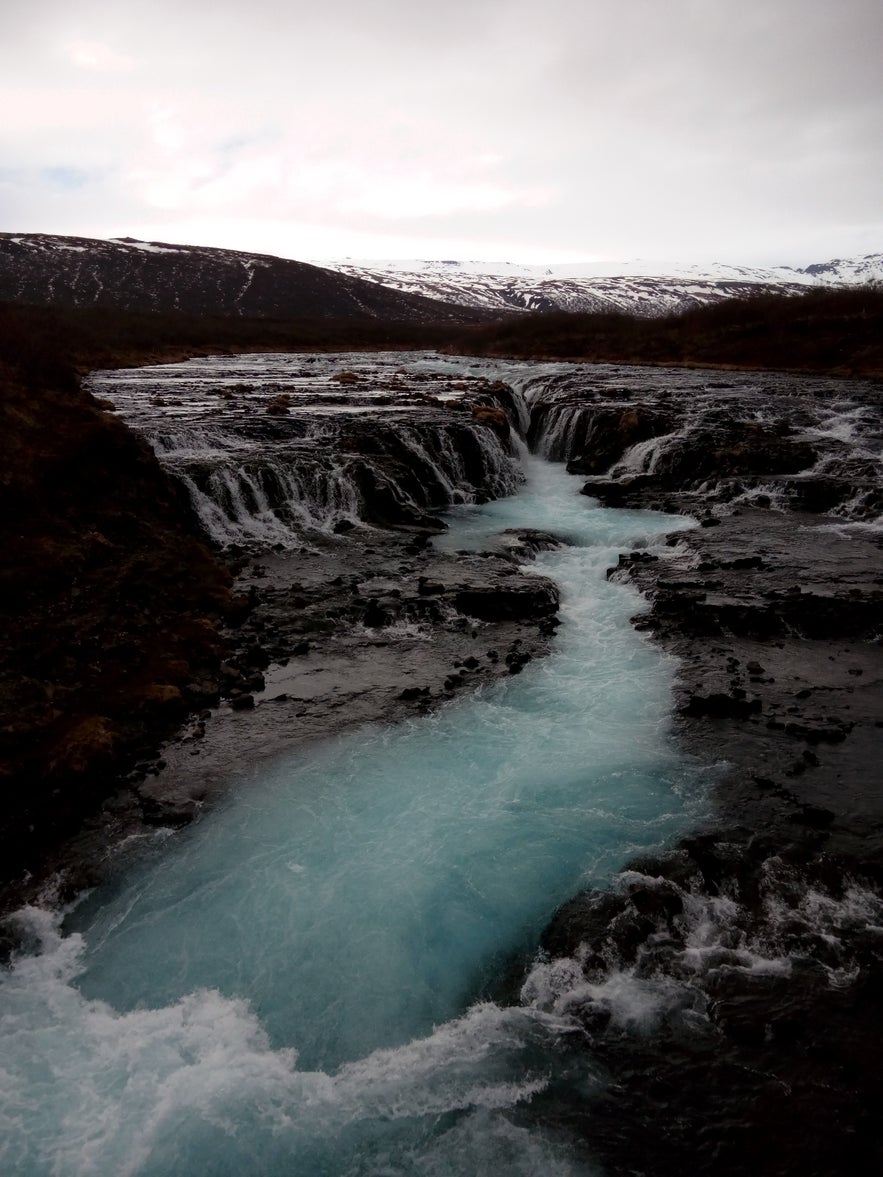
(283, 452)
(557, 439)
(274, 493)
(643, 457)
(294, 986)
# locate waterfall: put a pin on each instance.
(300, 983)
(289, 454)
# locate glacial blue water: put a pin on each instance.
(294, 986)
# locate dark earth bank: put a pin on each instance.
(110, 608)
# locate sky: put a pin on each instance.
(568, 130)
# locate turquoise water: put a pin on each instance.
(293, 986)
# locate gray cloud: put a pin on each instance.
(687, 129)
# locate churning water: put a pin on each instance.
(297, 985)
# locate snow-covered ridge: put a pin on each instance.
(647, 288)
(154, 275)
(868, 268)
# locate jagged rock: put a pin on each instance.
(504, 602)
(495, 418)
(279, 406)
(378, 614)
(526, 542)
(608, 433)
(721, 706)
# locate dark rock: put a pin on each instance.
(721, 706)
(377, 615)
(256, 656)
(511, 603)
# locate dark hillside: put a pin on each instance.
(44, 270)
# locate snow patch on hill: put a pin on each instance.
(646, 288)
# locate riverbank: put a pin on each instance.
(755, 947)
(110, 611)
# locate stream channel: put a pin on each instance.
(302, 982)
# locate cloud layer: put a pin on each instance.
(695, 129)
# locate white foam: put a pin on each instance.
(85, 1089)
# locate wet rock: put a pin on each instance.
(495, 418)
(823, 733)
(378, 615)
(169, 811)
(525, 542)
(503, 602)
(516, 660)
(256, 656)
(719, 705)
(278, 406)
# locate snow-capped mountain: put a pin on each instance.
(45, 269)
(644, 288)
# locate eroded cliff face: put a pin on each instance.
(110, 607)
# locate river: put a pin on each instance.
(302, 982)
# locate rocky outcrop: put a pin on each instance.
(729, 989)
(509, 602)
(692, 442)
(594, 438)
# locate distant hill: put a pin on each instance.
(649, 289)
(44, 270)
(822, 329)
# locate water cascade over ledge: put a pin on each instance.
(300, 983)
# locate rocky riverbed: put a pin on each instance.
(321, 488)
(730, 985)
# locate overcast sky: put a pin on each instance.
(567, 130)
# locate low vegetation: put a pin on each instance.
(48, 344)
(823, 330)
